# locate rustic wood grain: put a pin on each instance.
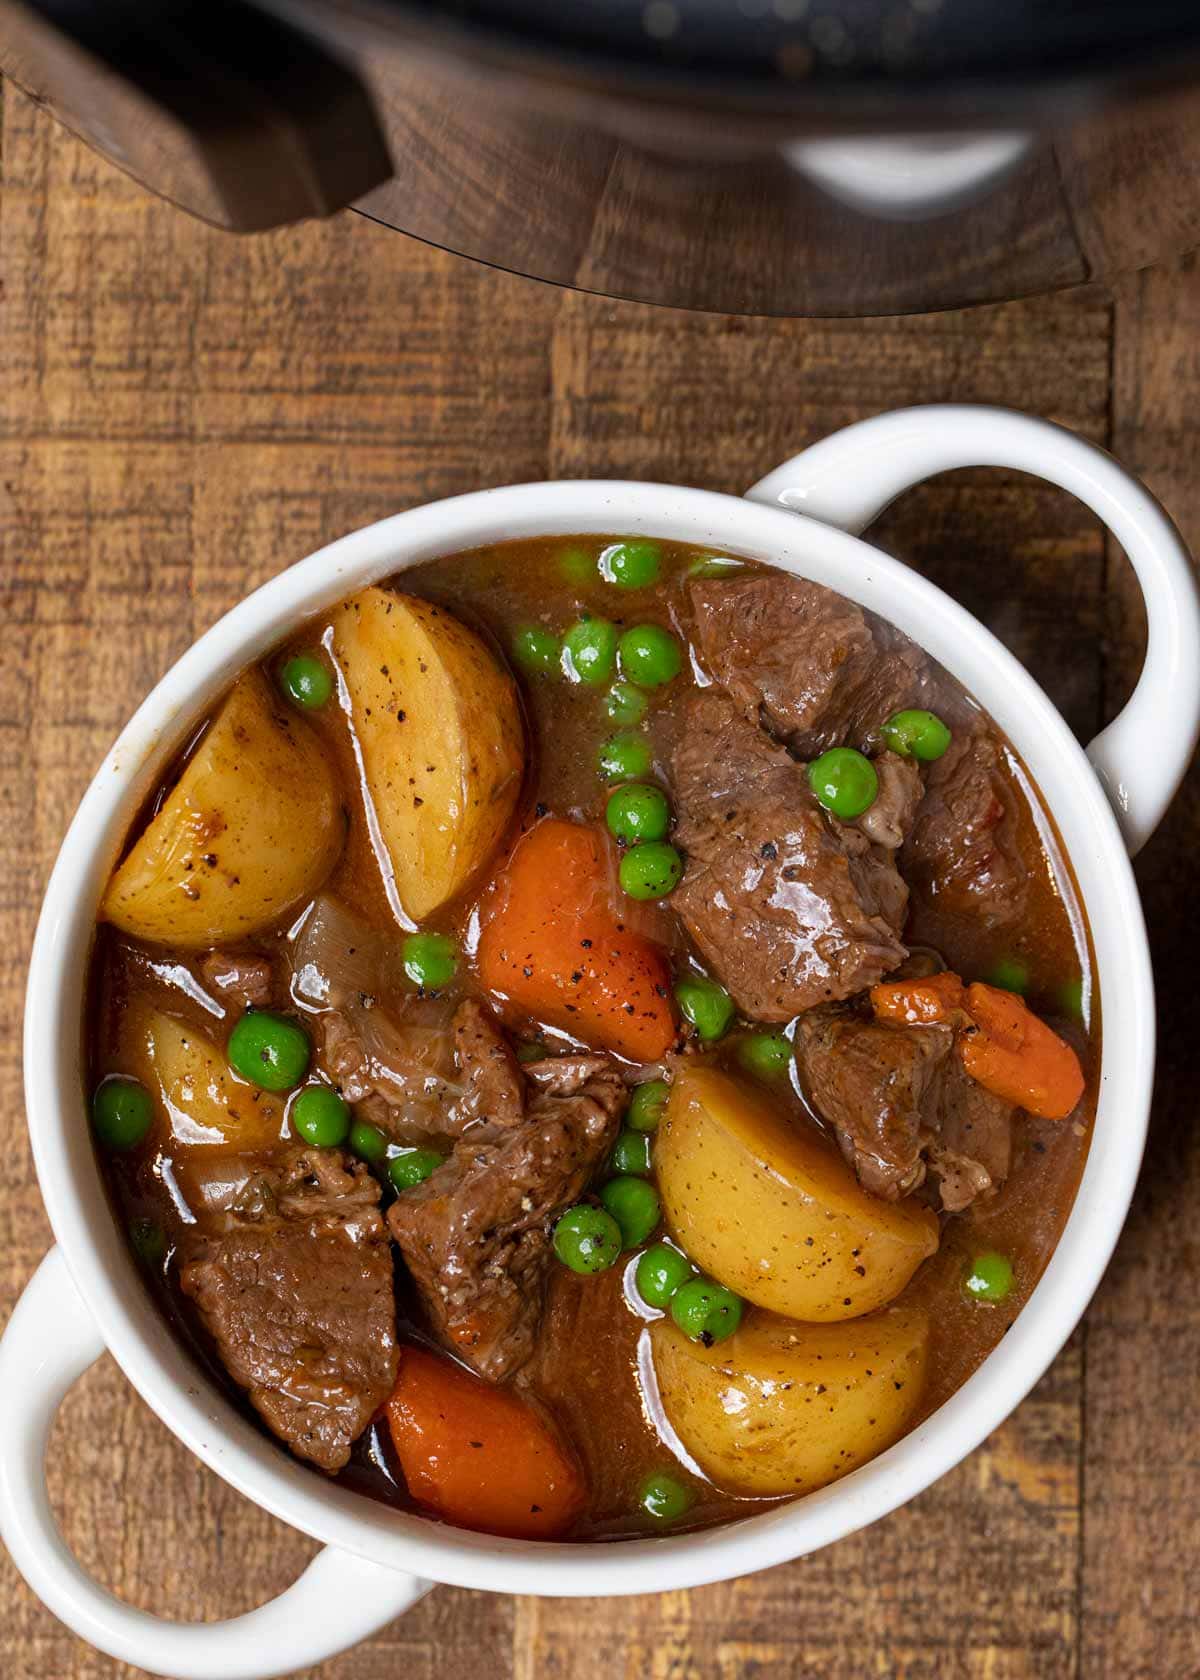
(1141, 1464)
(184, 414)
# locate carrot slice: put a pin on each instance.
(913, 1003)
(477, 1455)
(1005, 1048)
(1017, 1056)
(554, 946)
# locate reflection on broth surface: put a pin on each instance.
(592, 1037)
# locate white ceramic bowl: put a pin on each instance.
(87, 1296)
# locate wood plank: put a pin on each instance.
(1131, 176)
(1141, 1467)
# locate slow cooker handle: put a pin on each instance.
(849, 478)
(340, 1599)
(236, 114)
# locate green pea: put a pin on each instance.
(631, 1153)
(413, 1166)
(532, 1052)
(649, 655)
(706, 1312)
(664, 1498)
(632, 565)
(590, 651)
(1010, 974)
(587, 1239)
(635, 1206)
(844, 781)
(659, 1273)
(1070, 998)
(149, 1242)
(647, 1104)
(917, 734)
(321, 1117)
(650, 870)
(121, 1112)
(705, 1004)
(638, 811)
(367, 1142)
(625, 704)
(624, 757)
(989, 1277)
(576, 564)
(535, 649)
(767, 1055)
(305, 679)
(714, 566)
(269, 1050)
(430, 960)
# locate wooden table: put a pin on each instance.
(185, 413)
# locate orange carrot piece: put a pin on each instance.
(554, 946)
(477, 1455)
(1010, 1052)
(913, 1003)
(1017, 1056)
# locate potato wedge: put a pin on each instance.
(439, 728)
(770, 1208)
(251, 828)
(201, 1103)
(785, 1408)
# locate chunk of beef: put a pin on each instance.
(902, 1106)
(871, 1083)
(294, 1285)
(493, 1094)
(788, 906)
(971, 1154)
(238, 978)
(963, 853)
(887, 820)
(476, 1234)
(803, 659)
(398, 1070)
(563, 1076)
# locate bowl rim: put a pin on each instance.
(131, 1325)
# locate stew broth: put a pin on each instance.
(592, 1369)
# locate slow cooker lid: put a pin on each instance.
(840, 41)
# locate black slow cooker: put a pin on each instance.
(812, 157)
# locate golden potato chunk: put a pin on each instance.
(785, 1408)
(439, 728)
(769, 1208)
(201, 1103)
(250, 830)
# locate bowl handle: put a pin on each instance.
(849, 478)
(49, 1343)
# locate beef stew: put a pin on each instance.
(592, 1038)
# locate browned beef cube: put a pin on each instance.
(476, 1235)
(788, 906)
(963, 853)
(902, 1106)
(296, 1290)
(804, 660)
